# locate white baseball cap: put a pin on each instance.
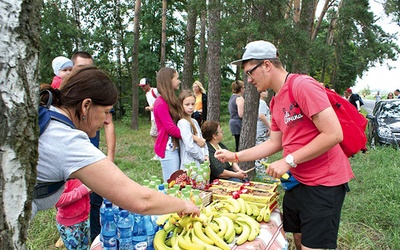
(258, 50)
(143, 82)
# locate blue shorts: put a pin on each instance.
(314, 211)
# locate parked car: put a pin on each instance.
(384, 123)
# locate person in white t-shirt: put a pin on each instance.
(151, 96)
(263, 131)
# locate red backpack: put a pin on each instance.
(353, 123)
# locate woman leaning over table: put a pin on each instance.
(86, 98)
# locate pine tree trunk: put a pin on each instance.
(187, 74)
(213, 57)
(135, 67)
(19, 57)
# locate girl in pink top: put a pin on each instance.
(167, 110)
(73, 215)
(166, 115)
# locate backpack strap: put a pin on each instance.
(43, 190)
(154, 94)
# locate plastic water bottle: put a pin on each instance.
(125, 229)
(161, 188)
(139, 237)
(109, 229)
(106, 204)
(149, 228)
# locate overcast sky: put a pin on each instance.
(380, 77)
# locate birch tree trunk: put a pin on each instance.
(19, 57)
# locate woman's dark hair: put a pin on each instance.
(209, 128)
(84, 82)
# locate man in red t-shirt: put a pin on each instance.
(308, 131)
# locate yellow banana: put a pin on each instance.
(222, 226)
(249, 210)
(175, 246)
(235, 203)
(267, 215)
(214, 226)
(254, 226)
(197, 240)
(185, 243)
(162, 219)
(174, 238)
(185, 221)
(242, 205)
(198, 231)
(168, 226)
(252, 222)
(242, 238)
(159, 240)
(260, 217)
(217, 240)
(256, 210)
(230, 231)
(228, 206)
(238, 228)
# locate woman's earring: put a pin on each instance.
(84, 118)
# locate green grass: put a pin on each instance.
(370, 216)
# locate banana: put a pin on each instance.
(174, 238)
(256, 210)
(217, 240)
(267, 215)
(230, 231)
(162, 219)
(168, 226)
(222, 226)
(197, 240)
(238, 228)
(260, 217)
(254, 226)
(235, 203)
(249, 210)
(252, 222)
(214, 226)
(242, 238)
(185, 243)
(185, 221)
(197, 229)
(227, 206)
(242, 205)
(159, 240)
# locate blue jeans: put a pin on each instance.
(170, 163)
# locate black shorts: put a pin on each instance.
(315, 213)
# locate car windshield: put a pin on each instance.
(390, 110)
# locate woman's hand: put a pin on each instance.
(241, 174)
(224, 155)
(189, 208)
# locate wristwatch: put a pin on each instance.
(290, 160)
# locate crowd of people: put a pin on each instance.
(308, 132)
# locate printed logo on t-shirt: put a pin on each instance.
(292, 114)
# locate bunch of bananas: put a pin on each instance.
(217, 226)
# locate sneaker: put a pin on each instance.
(155, 158)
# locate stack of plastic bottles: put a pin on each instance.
(122, 230)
